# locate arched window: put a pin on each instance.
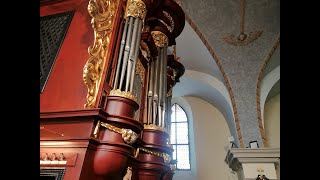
(179, 137)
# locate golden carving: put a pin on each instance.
(160, 39)
(140, 71)
(136, 8)
(175, 54)
(128, 174)
(145, 50)
(96, 129)
(171, 26)
(155, 127)
(103, 14)
(166, 157)
(125, 94)
(128, 135)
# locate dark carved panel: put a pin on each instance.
(53, 29)
(52, 173)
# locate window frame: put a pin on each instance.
(176, 144)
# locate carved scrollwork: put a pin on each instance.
(155, 127)
(166, 157)
(125, 94)
(103, 14)
(136, 8)
(145, 50)
(160, 39)
(140, 71)
(127, 135)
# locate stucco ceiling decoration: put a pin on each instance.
(242, 38)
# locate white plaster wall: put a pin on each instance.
(266, 85)
(272, 124)
(272, 121)
(211, 134)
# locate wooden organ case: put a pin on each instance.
(106, 77)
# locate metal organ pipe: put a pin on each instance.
(131, 52)
(136, 54)
(126, 51)
(123, 41)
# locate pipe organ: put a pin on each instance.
(106, 105)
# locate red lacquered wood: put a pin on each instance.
(120, 106)
(144, 157)
(168, 175)
(65, 89)
(110, 160)
(151, 136)
(78, 147)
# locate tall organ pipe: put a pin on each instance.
(126, 51)
(123, 41)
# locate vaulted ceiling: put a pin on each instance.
(221, 73)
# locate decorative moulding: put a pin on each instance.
(237, 156)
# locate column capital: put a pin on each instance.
(251, 162)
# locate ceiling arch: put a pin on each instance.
(210, 89)
(266, 85)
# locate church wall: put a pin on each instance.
(211, 134)
(272, 124)
(272, 121)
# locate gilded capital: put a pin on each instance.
(136, 8)
(160, 39)
(125, 94)
(155, 127)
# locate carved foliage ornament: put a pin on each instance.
(145, 50)
(160, 39)
(154, 127)
(136, 8)
(125, 94)
(166, 157)
(140, 71)
(103, 14)
(128, 135)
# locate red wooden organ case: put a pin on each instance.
(105, 101)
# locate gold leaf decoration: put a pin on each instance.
(103, 14)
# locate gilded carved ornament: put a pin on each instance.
(136, 8)
(166, 157)
(128, 135)
(140, 71)
(154, 127)
(103, 14)
(125, 94)
(145, 50)
(160, 39)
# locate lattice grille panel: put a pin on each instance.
(53, 29)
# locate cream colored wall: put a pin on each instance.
(272, 124)
(210, 137)
(272, 121)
